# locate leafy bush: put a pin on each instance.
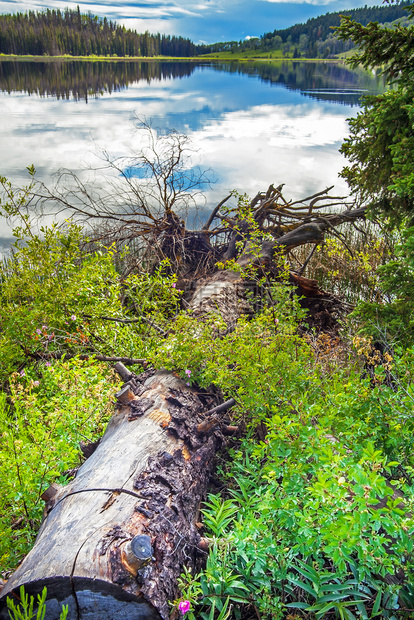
(301, 525)
(392, 320)
(316, 514)
(48, 415)
(59, 302)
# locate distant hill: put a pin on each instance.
(315, 38)
(55, 32)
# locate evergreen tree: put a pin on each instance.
(381, 142)
(380, 148)
(54, 32)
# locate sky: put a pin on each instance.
(203, 21)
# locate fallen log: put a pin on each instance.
(115, 539)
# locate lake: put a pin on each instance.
(252, 123)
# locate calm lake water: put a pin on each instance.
(253, 124)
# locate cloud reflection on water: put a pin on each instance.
(251, 133)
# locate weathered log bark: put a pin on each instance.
(146, 479)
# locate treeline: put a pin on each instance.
(55, 32)
(315, 38)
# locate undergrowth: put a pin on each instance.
(315, 519)
(48, 411)
(346, 262)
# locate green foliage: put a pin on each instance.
(47, 288)
(56, 32)
(327, 591)
(57, 298)
(347, 265)
(380, 145)
(312, 520)
(299, 527)
(378, 46)
(50, 410)
(392, 320)
(312, 39)
(218, 514)
(59, 302)
(228, 359)
(24, 611)
(217, 587)
(303, 528)
(381, 151)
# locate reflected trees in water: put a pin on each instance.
(82, 80)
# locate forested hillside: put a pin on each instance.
(315, 38)
(54, 32)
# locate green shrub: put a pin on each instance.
(48, 415)
(300, 524)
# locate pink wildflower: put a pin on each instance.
(38, 331)
(188, 372)
(48, 364)
(184, 607)
(36, 383)
(173, 284)
(22, 373)
(73, 317)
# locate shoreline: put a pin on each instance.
(216, 58)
